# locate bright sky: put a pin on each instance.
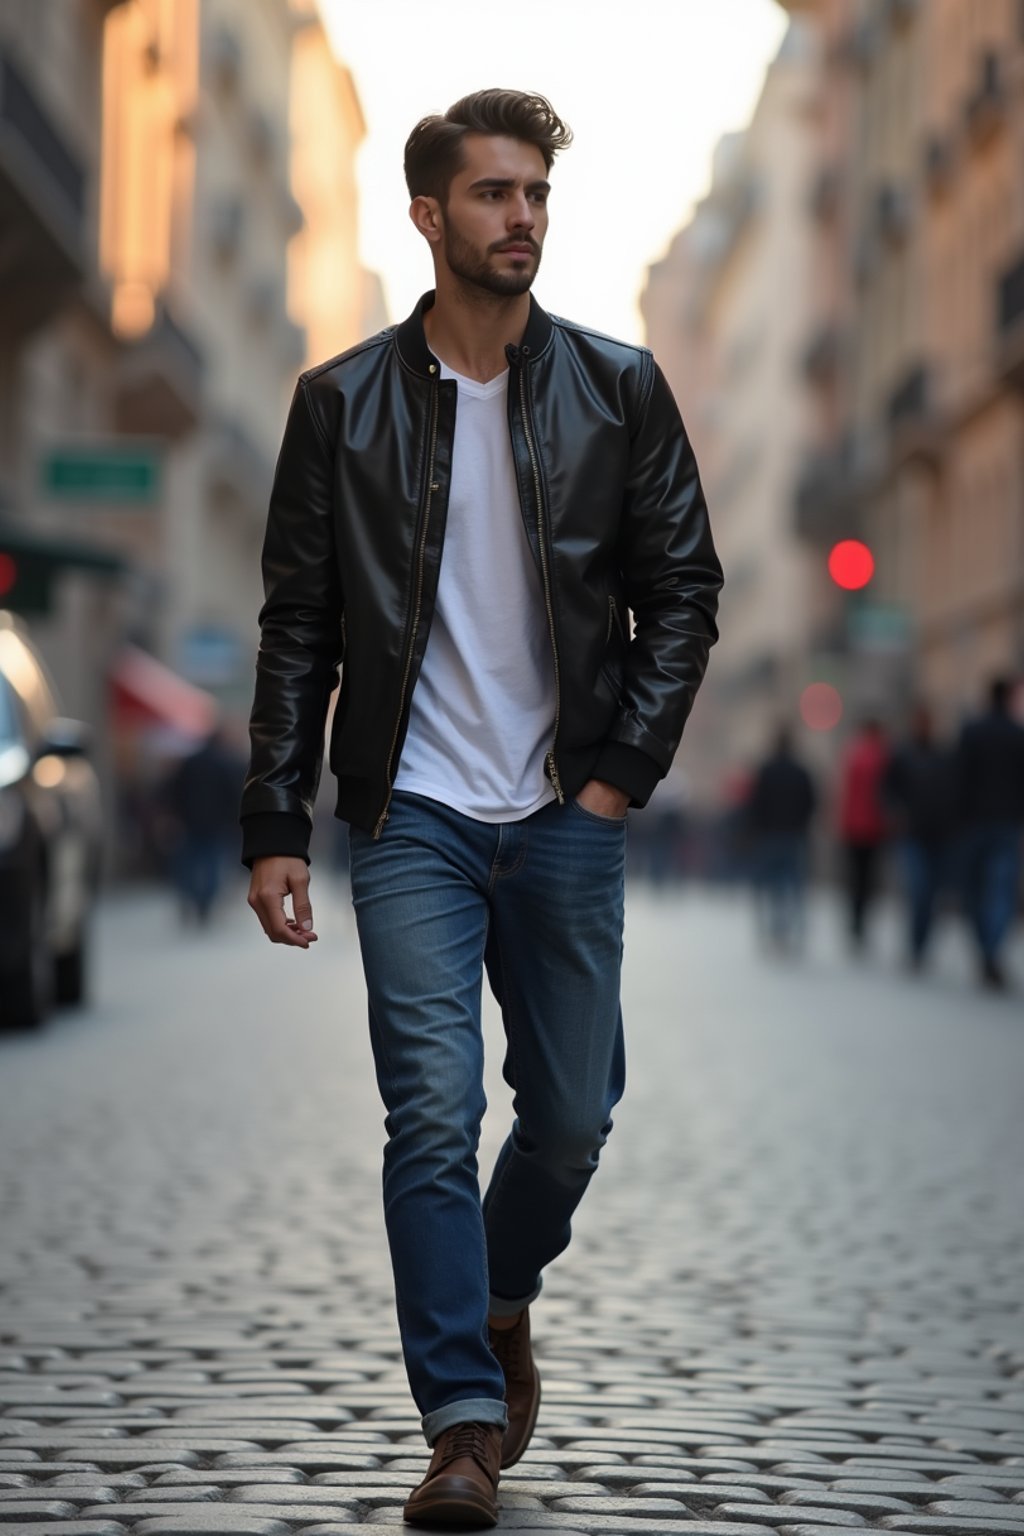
(648, 86)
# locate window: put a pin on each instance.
(9, 733)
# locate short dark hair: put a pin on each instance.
(433, 151)
(1000, 692)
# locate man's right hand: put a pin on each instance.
(274, 879)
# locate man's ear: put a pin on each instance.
(425, 213)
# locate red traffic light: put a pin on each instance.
(8, 574)
(851, 565)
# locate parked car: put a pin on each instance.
(50, 838)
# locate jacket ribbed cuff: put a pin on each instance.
(628, 769)
(274, 834)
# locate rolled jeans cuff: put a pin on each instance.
(471, 1410)
(500, 1306)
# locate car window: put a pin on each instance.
(26, 675)
(9, 733)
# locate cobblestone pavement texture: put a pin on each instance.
(794, 1302)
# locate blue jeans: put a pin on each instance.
(925, 872)
(780, 873)
(198, 869)
(540, 902)
(991, 869)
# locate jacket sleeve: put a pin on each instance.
(300, 643)
(672, 578)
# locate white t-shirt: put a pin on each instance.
(483, 710)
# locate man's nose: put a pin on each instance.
(521, 214)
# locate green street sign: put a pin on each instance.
(879, 626)
(108, 473)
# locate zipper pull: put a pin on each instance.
(378, 829)
(556, 783)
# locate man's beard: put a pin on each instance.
(467, 263)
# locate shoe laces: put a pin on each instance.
(467, 1440)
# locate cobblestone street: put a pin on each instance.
(794, 1301)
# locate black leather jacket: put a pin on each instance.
(615, 517)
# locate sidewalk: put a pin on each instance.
(794, 1300)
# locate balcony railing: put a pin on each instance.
(893, 213)
(1010, 323)
(912, 418)
(985, 109)
(909, 400)
(826, 506)
(938, 164)
(160, 379)
(1011, 296)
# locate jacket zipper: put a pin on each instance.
(550, 760)
(431, 488)
(612, 616)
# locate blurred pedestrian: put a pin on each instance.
(862, 823)
(496, 719)
(780, 810)
(990, 771)
(657, 836)
(200, 800)
(920, 793)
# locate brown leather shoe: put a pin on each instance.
(511, 1346)
(461, 1485)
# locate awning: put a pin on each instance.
(145, 693)
(17, 538)
(31, 561)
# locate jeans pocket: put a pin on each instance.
(602, 821)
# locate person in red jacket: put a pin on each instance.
(862, 821)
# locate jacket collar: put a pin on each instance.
(412, 342)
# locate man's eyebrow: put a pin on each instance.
(509, 181)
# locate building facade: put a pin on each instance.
(919, 429)
(726, 314)
(843, 324)
(333, 297)
(59, 353)
(165, 287)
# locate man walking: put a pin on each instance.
(990, 768)
(863, 825)
(200, 799)
(782, 803)
(920, 790)
(466, 509)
